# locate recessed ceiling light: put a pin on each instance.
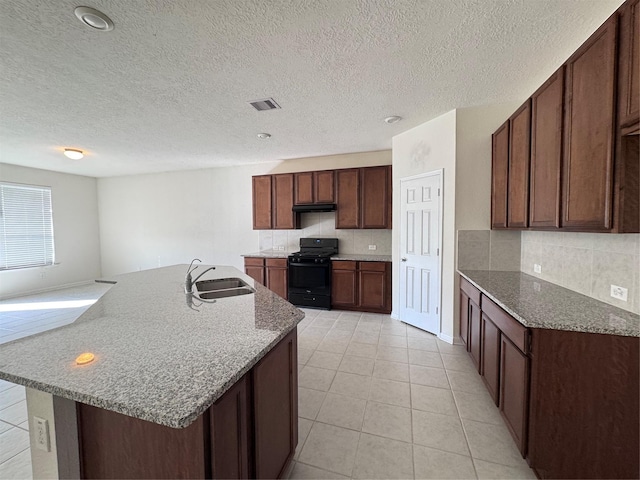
(94, 19)
(393, 119)
(73, 153)
(264, 135)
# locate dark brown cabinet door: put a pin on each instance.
(499, 176)
(518, 171)
(277, 276)
(372, 285)
(375, 196)
(514, 391)
(348, 198)
(546, 152)
(262, 210)
(344, 284)
(254, 267)
(464, 317)
(490, 357)
(324, 187)
(474, 334)
(303, 188)
(283, 216)
(587, 169)
(275, 396)
(629, 64)
(230, 433)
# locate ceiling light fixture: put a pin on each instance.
(393, 119)
(94, 19)
(73, 153)
(264, 135)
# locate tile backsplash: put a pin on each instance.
(323, 224)
(588, 263)
(488, 250)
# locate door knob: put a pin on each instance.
(404, 259)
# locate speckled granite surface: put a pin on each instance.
(539, 304)
(269, 254)
(159, 357)
(357, 257)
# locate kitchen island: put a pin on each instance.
(178, 388)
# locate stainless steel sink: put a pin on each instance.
(222, 287)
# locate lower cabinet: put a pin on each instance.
(250, 432)
(361, 286)
(273, 273)
(569, 399)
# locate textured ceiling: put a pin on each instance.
(168, 88)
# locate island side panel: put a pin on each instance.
(275, 390)
(584, 416)
(117, 446)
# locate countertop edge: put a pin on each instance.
(533, 324)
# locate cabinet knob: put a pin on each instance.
(404, 259)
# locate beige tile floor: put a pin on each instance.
(381, 399)
(377, 398)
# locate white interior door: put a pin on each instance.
(420, 234)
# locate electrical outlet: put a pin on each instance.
(537, 268)
(42, 434)
(280, 247)
(619, 292)
(372, 247)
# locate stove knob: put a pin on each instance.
(317, 260)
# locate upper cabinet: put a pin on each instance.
(568, 158)
(262, 202)
(362, 197)
(519, 156)
(273, 202)
(589, 126)
(546, 152)
(314, 187)
(376, 197)
(628, 67)
(499, 176)
(348, 198)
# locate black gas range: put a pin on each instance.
(310, 273)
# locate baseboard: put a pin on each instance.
(394, 315)
(44, 290)
(446, 338)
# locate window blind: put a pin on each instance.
(26, 226)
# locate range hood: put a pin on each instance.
(317, 207)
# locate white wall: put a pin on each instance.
(430, 146)
(75, 227)
(154, 220)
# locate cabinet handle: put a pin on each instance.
(404, 259)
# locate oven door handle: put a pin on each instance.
(307, 265)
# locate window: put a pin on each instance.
(26, 226)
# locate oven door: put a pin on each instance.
(310, 278)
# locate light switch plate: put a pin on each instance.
(537, 268)
(619, 292)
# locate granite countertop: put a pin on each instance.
(269, 254)
(357, 257)
(160, 355)
(539, 304)
(340, 256)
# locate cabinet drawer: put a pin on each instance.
(343, 265)
(472, 292)
(373, 266)
(509, 326)
(254, 261)
(276, 262)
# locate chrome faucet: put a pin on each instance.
(188, 281)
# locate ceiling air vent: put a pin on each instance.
(266, 104)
